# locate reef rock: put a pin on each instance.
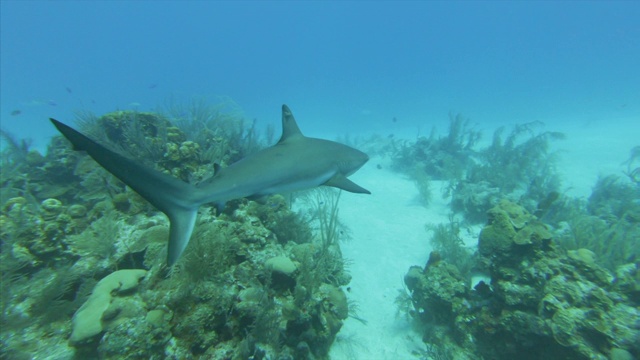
(543, 302)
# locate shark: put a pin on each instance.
(295, 162)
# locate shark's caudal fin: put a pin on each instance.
(166, 193)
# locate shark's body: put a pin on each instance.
(296, 162)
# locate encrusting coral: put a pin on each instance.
(99, 309)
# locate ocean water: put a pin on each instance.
(347, 70)
(347, 66)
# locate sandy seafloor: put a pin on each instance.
(387, 236)
(387, 230)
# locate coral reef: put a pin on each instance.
(257, 280)
(541, 301)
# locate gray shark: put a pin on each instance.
(296, 162)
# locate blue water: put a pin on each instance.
(341, 66)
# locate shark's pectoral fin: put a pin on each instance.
(182, 224)
(341, 182)
(219, 207)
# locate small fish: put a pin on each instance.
(390, 136)
(153, 86)
(394, 119)
(68, 90)
(379, 167)
(52, 103)
(16, 112)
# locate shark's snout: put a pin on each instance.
(362, 158)
(355, 161)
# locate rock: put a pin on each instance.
(281, 264)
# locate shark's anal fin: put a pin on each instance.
(341, 182)
(182, 222)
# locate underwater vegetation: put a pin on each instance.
(633, 165)
(441, 157)
(519, 166)
(448, 245)
(82, 258)
(608, 223)
(13, 159)
(536, 301)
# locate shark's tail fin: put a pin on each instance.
(173, 197)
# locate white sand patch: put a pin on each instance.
(388, 236)
(593, 149)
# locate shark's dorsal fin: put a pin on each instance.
(289, 126)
